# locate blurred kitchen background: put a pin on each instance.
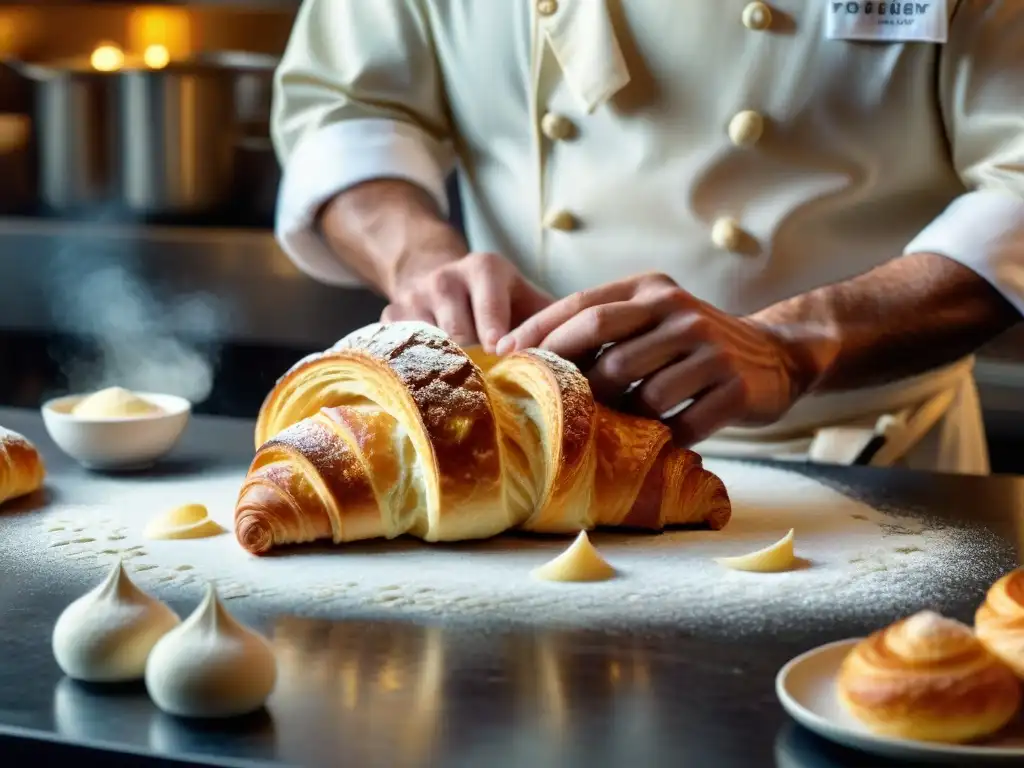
(137, 190)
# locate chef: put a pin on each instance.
(782, 227)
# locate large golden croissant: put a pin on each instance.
(22, 470)
(397, 430)
(928, 677)
(999, 621)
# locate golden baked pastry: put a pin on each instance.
(999, 622)
(22, 470)
(396, 430)
(927, 677)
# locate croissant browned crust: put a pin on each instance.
(928, 677)
(397, 430)
(22, 470)
(999, 621)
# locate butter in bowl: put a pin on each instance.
(115, 428)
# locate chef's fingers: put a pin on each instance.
(491, 299)
(535, 329)
(455, 315)
(528, 300)
(708, 413)
(445, 293)
(597, 326)
(629, 361)
(661, 395)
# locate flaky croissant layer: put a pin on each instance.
(397, 430)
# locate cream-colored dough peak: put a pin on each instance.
(107, 634)
(211, 665)
(771, 559)
(190, 521)
(580, 562)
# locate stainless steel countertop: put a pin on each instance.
(371, 691)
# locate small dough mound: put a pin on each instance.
(772, 559)
(190, 521)
(106, 635)
(580, 562)
(211, 666)
(114, 403)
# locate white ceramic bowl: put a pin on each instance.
(117, 444)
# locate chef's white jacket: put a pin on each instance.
(752, 151)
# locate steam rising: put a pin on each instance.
(140, 339)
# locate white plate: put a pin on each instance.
(806, 686)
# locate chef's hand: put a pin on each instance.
(476, 298)
(735, 370)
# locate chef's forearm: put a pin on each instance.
(387, 231)
(910, 315)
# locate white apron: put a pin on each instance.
(931, 422)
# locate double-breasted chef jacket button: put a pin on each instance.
(726, 234)
(757, 16)
(561, 220)
(746, 128)
(547, 7)
(557, 127)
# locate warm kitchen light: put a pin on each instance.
(168, 28)
(156, 56)
(107, 58)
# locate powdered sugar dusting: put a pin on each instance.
(572, 384)
(383, 338)
(562, 367)
(440, 376)
(862, 563)
(314, 439)
(420, 363)
(378, 338)
(10, 436)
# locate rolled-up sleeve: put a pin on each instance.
(357, 96)
(981, 83)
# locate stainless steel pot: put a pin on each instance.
(254, 82)
(73, 110)
(152, 142)
(177, 134)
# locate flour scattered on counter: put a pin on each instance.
(863, 563)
